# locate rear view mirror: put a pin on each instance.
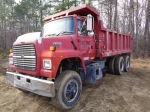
(91, 33)
(89, 22)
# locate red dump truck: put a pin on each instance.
(73, 47)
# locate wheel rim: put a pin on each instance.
(71, 90)
(122, 66)
(128, 64)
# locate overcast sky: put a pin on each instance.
(17, 1)
(95, 3)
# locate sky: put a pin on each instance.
(17, 1)
(95, 3)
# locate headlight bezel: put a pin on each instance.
(11, 61)
(47, 64)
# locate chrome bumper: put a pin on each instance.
(28, 83)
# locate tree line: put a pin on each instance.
(120, 15)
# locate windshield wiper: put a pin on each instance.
(63, 32)
(50, 34)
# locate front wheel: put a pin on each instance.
(68, 87)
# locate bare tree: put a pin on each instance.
(146, 28)
(137, 29)
(115, 15)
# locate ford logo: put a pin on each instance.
(22, 56)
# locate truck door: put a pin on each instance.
(86, 43)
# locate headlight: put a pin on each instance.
(10, 61)
(47, 64)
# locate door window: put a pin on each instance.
(82, 27)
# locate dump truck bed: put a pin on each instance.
(110, 43)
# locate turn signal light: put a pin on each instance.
(75, 15)
(10, 50)
(52, 48)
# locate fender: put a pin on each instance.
(56, 57)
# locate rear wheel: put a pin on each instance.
(126, 63)
(68, 87)
(111, 65)
(119, 65)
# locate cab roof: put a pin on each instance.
(82, 10)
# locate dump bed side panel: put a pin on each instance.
(110, 43)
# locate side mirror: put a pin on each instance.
(89, 22)
(91, 33)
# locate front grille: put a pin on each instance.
(24, 56)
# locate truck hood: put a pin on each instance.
(28, 38)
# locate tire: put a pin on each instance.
(119, 65)
(111, 65)
(104, 72)
(126, 63)
(68, 87)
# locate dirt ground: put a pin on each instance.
(129, 92)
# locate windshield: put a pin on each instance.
(60, 26)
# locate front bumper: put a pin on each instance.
(32, 84)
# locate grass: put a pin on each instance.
(4, 53)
